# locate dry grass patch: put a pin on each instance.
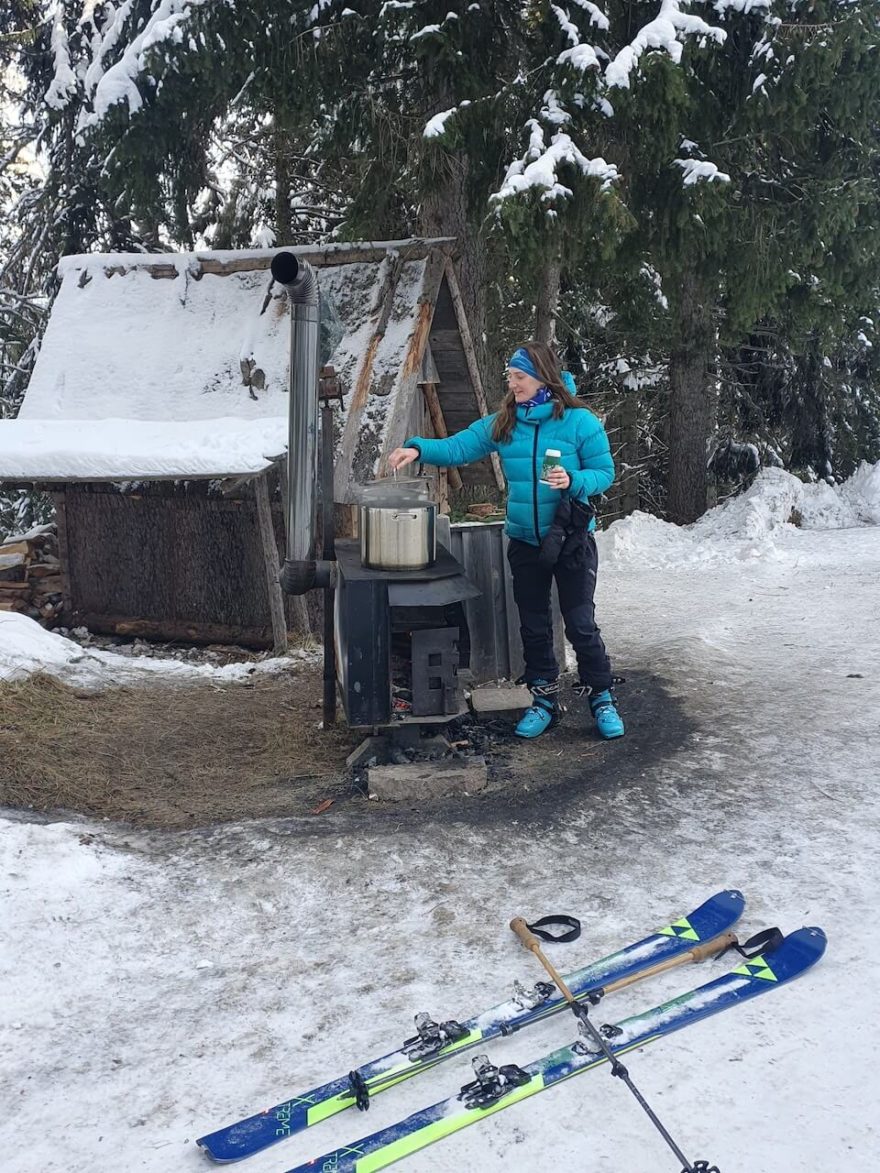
(172, 755)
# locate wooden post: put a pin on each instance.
(443, 490)
(270, 555)
(471, 359)
(435, 411)
(60, 502)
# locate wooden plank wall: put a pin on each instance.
(419, 424)
(168, 567)
(493, 619)
(456, 392)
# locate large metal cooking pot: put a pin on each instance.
(399, 536)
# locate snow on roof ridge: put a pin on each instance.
(78, 261)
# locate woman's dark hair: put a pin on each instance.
(546, 363)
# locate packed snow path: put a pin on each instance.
(155, 987)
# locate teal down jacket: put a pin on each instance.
(531, 505)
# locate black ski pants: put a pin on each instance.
(575, 575)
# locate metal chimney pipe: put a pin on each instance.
(300, 572)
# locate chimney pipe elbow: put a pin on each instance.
(297, 578)
(297, 277)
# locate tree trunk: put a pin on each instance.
(691, 404)
(548, 301)
(444, 212)
(281, 161)
(622, 426)
(811, 430)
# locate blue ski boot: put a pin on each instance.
(605, 714)
(544, 711)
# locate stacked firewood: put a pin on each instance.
(30, 575)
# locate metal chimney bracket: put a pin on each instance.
(330, 386)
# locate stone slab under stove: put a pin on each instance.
(487, 704)
(421, 780)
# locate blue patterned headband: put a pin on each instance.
(521, 362)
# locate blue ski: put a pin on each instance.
(509, 1085)
(690, 938)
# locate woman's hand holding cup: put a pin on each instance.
(558, 478)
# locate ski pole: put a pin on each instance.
(699, 953)
(580, 1011)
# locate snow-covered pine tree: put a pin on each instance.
(21, 309)
(803, 383)
(658, 167)
(750, 181)
(22, 298)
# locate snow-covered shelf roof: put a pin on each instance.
(176, 365)
(113, 449)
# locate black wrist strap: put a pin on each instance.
(764, 942)
(572, 923)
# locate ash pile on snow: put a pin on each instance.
(748, 526)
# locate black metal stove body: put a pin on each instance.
(393, 622)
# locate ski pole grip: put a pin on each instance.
(713, 947)
(525, 934)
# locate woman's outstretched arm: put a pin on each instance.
(473, 443)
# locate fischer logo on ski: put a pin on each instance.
(682, 929)
(758, 967)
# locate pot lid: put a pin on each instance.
(393, 490)
(402, 501)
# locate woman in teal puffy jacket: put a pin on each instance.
(549, 523)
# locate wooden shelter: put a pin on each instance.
(156, 416)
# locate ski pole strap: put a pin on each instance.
(572, 923)
(764, 942)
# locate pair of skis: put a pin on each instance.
(702, 933)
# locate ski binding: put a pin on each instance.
(529, 999)
(431, 1037)
(492, 1083)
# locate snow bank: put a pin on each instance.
(862, 491)
(748, 526)
(26, 648)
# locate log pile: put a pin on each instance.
(30, 576)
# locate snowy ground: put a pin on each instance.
(157, 986)
(26, 647)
